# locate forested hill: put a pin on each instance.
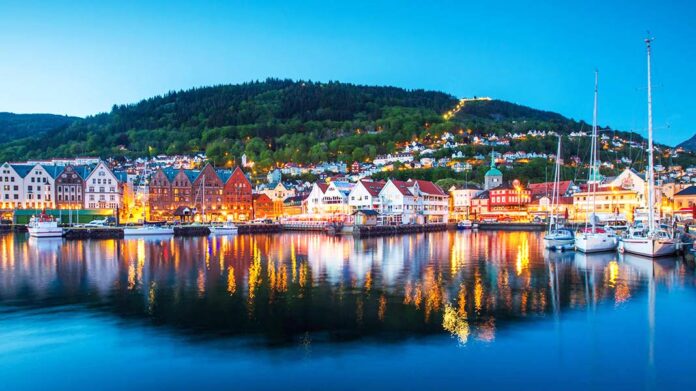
(689, 144)
(16, 126)
(282, 121)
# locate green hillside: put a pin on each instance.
(292, 121)
(17, 126)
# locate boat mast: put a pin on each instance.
(203, 199)
(651, 175)
(594, 164)
(555, 195)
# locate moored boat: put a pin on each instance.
(465, 224)
(227, 228)
(593, 239)
(656, 241)
(44, 226)
(559, 239)
(147, 230)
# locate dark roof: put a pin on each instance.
(170, 173)
(367, 212)
(183, 211)
(53, 170)
(691, 190)
(482, 195)
(467, 186)
(192, 174)
(22, 169)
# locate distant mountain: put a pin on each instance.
(17, 126)
(283, 120)
(689, 144)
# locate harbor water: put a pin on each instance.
(426, 311)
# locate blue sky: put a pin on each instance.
(81, 57)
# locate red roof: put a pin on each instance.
(403, 187)
(373, 187)
(428, 187)
(323, 187)
(547, 187)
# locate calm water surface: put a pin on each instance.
(433, 311)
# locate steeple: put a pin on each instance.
(493, 177)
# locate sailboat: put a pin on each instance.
(592, 238)
(557, 237)
(655, 241)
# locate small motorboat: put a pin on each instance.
(227, 228)
(465, 224)
(147, 230)
(44, 226)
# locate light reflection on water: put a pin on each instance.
(317, 293)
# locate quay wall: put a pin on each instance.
(512, 226)
(364, 231)
(93, 233)
(259, 228)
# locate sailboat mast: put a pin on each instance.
(651, 175)
(594, 166)
(555, 196)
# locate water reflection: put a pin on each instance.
(294, 288)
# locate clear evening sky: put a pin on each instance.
(81, 57)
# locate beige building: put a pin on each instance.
(608, 202)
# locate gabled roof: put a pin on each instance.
(192, 174)
(224, 175)
(53, 170)
(689, 191)
(373, 187)
(484, 195)
(84, 171)
(428, 187)
(170, 173)
(323, 187)
(547, 187)
(295, 199)
(233, 173)
(403, 187)
(121, 176)
(22, 169)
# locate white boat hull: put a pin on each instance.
(597, 242)
(560, 243)
(140, 231)
(45, 232)
(649, 247)
(223, 231)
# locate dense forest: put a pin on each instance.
(301, 121)
(17, 126)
